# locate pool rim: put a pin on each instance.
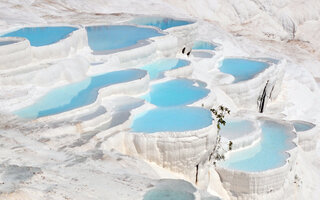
(303, 122)
(14, 40)
(269, 68)
(189, 20)
(78, 27)
(203, 102)
(169, 78)
(217, 48)
(289, 152)
(169, 74)
(176, 134)
(80, 110)
(140, 43)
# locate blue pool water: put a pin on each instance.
(176, 119)
(162, 23)
(202, 45)
(269, 153)
(302, 126)
(2, 43)
(175, 93)
(77, 94)
(156, 69)
(171, 189)
(41, 36)
(106, 38)
(236, 128)
(168, 194)
(242, 69)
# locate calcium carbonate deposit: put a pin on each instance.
(117, 99)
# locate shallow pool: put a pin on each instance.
(302, 126)
(174, 119)
(242, 69)
(78, 94)
(175, 93)
(269, 153)
(203, 45)
(171, 189)
(117, 37)
(2, 43)
(236, 128)
(157, 68)
(41, 36)
(162, 23)
(168, 194)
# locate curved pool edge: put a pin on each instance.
(165, 45)
(74, 41)
(271, 181)
(206, 102)
(69, 45)
(246, 93)
(181, 72)
(307, 139)
(217, 46)
(139, 43)
(245, 141)
(186, 34)
(157, 16)
(134, 87)
(16, 54)
(177, 151)
(269, 65)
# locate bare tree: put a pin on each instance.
(219, 114)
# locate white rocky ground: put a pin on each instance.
(36, 165)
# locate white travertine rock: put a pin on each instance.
(67, 70)
(185, 71)
(307, 140)
(245, 138)
(179, 152)
(263, 185)
(167, 45)
(267, 22)
(134, 87)
(63, 48)
(16, 54)
(245, 94)
(133, 55)
(186, 34)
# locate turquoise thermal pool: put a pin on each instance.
(269, 153)
(162, 23)
(173, 119)
(41, 36)
(242, 69)
(236, 128)
(302, 126)
(157, 68)
(175, 92)
(117, 37)
(76, 95)
(202, 45)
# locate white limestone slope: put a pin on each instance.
(16, 54)
(48, 160)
